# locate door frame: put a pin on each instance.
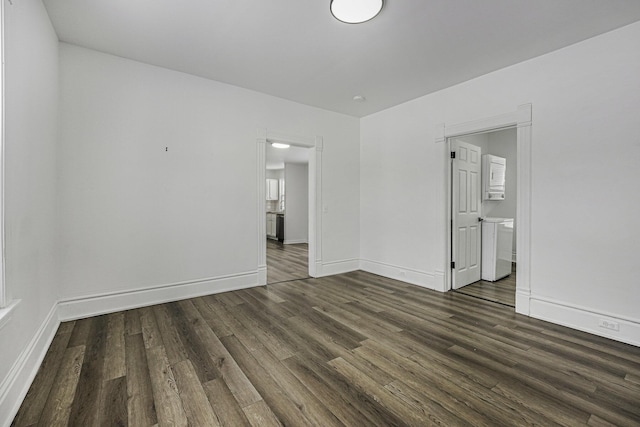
(315, 144)
(4, 297)
(521, 119)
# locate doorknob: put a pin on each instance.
(480, 219)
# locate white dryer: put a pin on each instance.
(497, 246)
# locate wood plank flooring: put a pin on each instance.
(286, 262)
(348, 350)
(502, 291)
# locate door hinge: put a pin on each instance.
(453, 264)
(453, 154)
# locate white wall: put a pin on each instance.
(31, 96)
(585, 153)
(296, 220)
(134, 215)
(275, 173)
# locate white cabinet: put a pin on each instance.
(497, 243)
(272, 189)
(271, 225)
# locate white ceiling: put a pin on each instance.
(277, 157)
(296, 50)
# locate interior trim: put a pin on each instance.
(316, 144)
(339, 267)
(522, 120)
(403, 274)
(16, 384)
(93, 305)
(585, 319)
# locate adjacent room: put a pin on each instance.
(287, 210)
(327, 213)
(484, 206)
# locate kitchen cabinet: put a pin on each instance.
(272, 189)
(271, 225)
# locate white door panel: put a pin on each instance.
(461, 261)
(474, 189)
(466, 213)
(462, 192)
(474, 236)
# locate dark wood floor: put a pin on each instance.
(502, 291)
(286, 262)
(354, 349)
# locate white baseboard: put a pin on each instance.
(262, 275)
(16, 384)
(408, 275)
(439, 281)
(523, 301)
(7, 311)
(339, 267)
(584, 319)
(87, 306)
(294, 241)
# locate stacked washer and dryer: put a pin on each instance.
(497, 233)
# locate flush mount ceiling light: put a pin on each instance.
(279, 145)
(355, 11)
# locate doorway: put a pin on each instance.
(286, 262)
(521, 120)
(483, 212)
(314, 147)
(287, 212)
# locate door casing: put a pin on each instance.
(315, 144)
(522, 120)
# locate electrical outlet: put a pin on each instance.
(609, 324)
(403, 273)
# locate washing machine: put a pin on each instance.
(497, 247)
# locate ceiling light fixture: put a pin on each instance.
(355, 11)
(279, 145)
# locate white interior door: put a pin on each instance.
(466, 206)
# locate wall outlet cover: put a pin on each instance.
(609, 324)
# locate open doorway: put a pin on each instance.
(522, 119)
(287, 212)
(483, 215)
(313, 146)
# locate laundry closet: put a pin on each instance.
(498, 201)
